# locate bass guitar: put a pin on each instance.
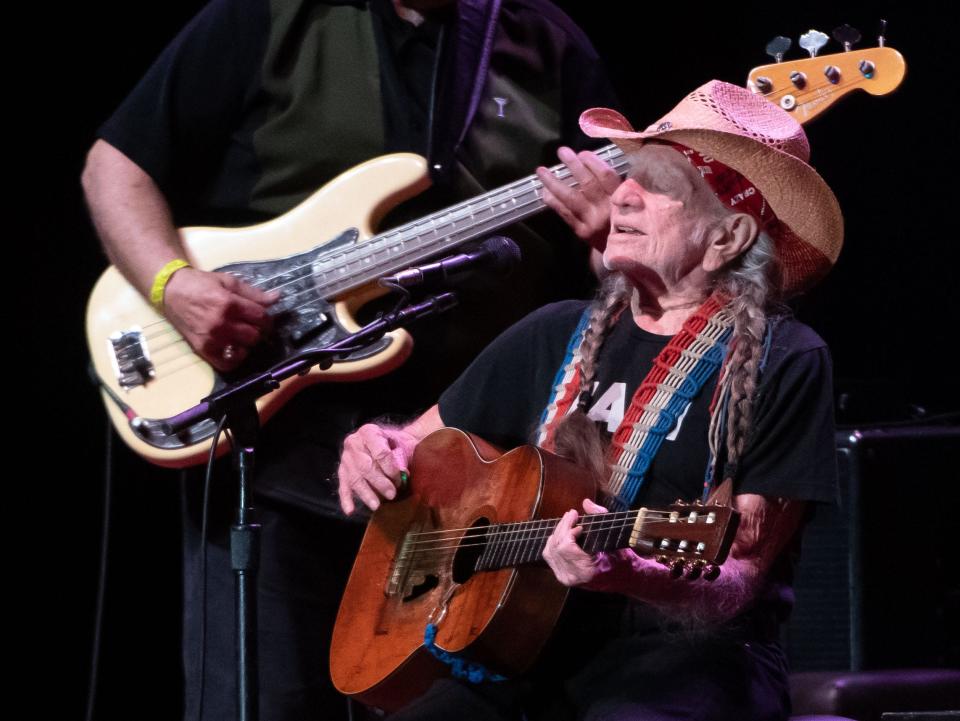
(461, 548)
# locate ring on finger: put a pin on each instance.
(229, 352)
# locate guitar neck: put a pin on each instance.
(694, 533)
(515, 544)
(349, 267)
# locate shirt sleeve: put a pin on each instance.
(792, 448)
(501, 394)
(183, 110)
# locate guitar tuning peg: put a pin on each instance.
(693, 570)
(676, 567)
(711, 572)
(846, 36)
(812, 41)
(882, 36)
(778, 47)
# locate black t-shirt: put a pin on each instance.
(791, 450)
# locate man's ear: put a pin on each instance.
(730, 238)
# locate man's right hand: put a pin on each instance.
(220, 316)
(372, 466)
(375, 459)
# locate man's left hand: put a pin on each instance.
(570, 564)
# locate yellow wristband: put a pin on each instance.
(161, 279)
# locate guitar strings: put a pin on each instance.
(508, 551)
(161, 328)
(530, 184)
(513, 545)
(613, 156)
(541, 531)
(617, 515)
(323, 291)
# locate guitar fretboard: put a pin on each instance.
(514, 544)
(346, 268)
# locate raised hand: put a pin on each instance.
(585, 208)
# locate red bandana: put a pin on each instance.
(734, 191)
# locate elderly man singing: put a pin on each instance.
(686, 372)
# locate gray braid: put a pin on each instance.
(751, 285)
(613, 297)
(576, 436)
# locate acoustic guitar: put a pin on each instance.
(324, 256)
(462, 547)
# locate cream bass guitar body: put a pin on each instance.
(324, 257)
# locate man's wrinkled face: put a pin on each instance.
(657, 217)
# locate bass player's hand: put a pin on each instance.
(220, 316)
(586, 207)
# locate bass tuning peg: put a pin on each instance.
(812, 41)
(778, 47)
(846, 36)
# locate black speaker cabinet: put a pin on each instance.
(877, 584)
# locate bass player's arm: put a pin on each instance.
(213, 311)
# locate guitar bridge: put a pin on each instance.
(130, 358)
(415, 570)
(401, 565)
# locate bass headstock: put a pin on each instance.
(692, 539)
(807, 87)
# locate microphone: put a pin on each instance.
(499, 252)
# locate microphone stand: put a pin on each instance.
(237, 402)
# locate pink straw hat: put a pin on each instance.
(765, 145)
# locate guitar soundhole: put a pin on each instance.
(468, 553)
(426, 584)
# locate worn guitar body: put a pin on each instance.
(462, 549)
(499, 617)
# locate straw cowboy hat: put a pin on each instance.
(765, 145)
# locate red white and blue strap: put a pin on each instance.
(566, 385)
(678, 374)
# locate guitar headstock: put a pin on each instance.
(807, 87)
(690, 538)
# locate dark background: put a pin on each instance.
(888, 310)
